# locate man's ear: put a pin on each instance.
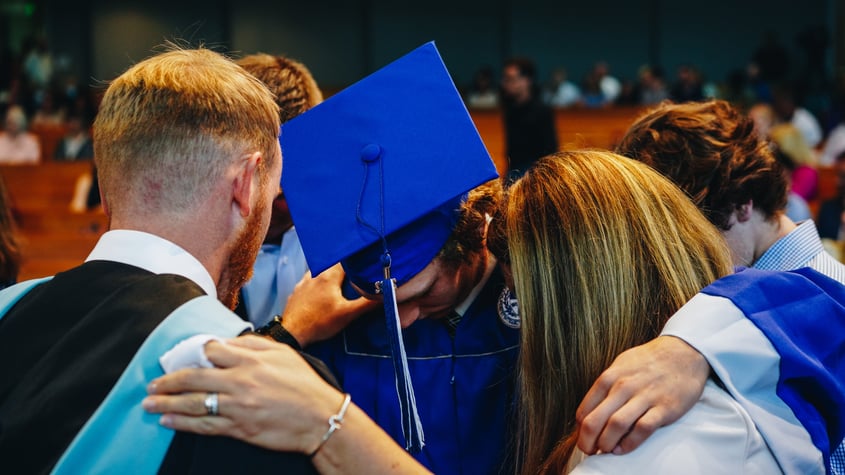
(744, 211)
(242, 187)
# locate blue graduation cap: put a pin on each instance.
(374, 178)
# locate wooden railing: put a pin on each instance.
(49, 137)
(576, 128)
(53, 237)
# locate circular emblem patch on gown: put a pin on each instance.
(509, 309)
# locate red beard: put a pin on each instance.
(242, 258)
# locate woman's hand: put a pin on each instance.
(267, 396)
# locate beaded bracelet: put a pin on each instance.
(335, 423)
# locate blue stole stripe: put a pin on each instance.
(120, 437)
(802, 313)
(10, 296)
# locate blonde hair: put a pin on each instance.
(169, 127)
(603, 250)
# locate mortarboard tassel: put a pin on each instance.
(411, 425)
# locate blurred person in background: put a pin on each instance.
(482, 94)
(831, 218)
(688, 85)
(610, 86)
(76, 144)
(17, 146)
(652, 85)
(800, 163)
(561, 91)
(788, 109)
(530, 131)
(797, 208)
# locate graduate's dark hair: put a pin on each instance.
(468, 237)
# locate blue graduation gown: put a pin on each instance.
(464, 385)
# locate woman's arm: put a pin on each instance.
(270, 397)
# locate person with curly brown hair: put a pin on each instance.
(712, 152)
(280, 263)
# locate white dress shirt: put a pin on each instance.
(152, 253)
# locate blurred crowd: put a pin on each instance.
(40, 97)
(800, 107)
(776, 73)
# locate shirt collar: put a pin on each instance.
(491, 264)
(152, 253)
(793, 251)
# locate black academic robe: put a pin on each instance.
(64, 345)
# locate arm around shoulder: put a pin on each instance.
(361, 446)
(270, 397)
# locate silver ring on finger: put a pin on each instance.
(211, 404)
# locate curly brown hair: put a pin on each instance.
(497, 240)
(711, 151)
(290, 82)
(468, 237)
